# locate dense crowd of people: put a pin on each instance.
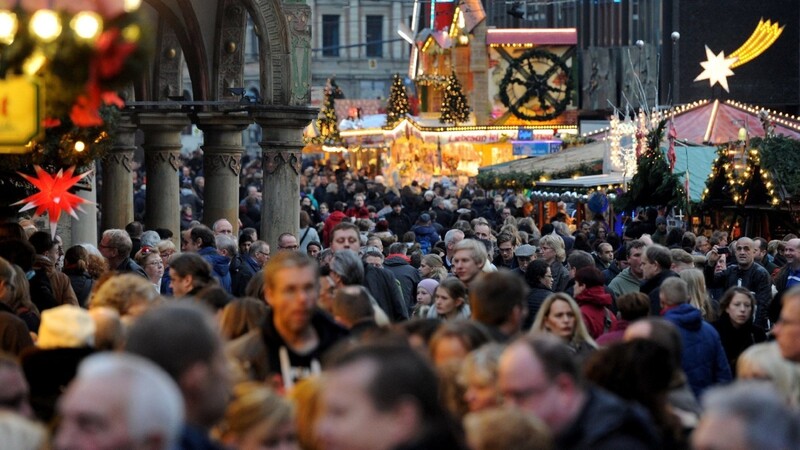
(412, 318)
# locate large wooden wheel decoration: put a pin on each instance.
(536, 86)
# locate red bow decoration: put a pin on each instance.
(53, 196)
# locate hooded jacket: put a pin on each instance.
(220, 266)
(595, 304)
(406, 274)
(427, 237)
(334, 219)
(703, 360)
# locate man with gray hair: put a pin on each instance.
(115, 246)
(703, 360)
(451, 238)
(751, 414)
(119, 400)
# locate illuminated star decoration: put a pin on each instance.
(53, 196)
(716, 69)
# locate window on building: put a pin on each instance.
(330, 35)
(374, 36)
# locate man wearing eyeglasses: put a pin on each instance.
(252, 262)
(287, 241)
(539, 375)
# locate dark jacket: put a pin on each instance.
(595, 306)
(704, 360)
(612, 271)
(560, 276)
(130, 266)
(652, 288)
(736, 340)
(247, 269)
(81, 283)
(536, 297)
(221, 266)
(755, 278)
(407, 275)
(781, 282)
(399, 223)
(607, 422)
(258, 352)
(383, 285)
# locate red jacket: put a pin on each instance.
(595, 302)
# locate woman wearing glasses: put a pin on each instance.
(150, 260)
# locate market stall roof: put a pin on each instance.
(532, 36)
(473, 13)
(573, 156)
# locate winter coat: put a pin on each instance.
(406, 274)
(624, 283)
(247, 269)
(611, 272)
(536, 297)
(220, 266)
(399, 223)
(704, 360)
(736, 340)
(427, 237)
(755, 278)
(608, 422)
(595, 303)
(62, 288)
(383, 285)
(615, 334)
(81, 283)
(463, 314)
(652, 288)
(560, 276)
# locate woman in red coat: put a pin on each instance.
(594, 301)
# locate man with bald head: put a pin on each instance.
(787, 277)
(745, 273)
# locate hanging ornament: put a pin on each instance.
(53, 196)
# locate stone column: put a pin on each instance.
(282, 142)
(162, 148)
(84, 229)
(222, 153)
(117, 193)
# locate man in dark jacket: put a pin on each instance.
(399, 265)
(252, 262)
(703, 359)
(536, 370)
(656, 263)
(202, 241)
(381, 283)
(788, 276)
(745, 273)
(399, 222)
(115, 246)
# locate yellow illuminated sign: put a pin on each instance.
(21, 106)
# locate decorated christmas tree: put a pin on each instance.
(397, 106)
(327, 124)
(455, 108)
(653, 184)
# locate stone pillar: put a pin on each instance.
(222, 153)
(162, 148)
(84, 229)
(117, 193)
(282, 142)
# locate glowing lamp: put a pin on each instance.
(45, 25)
(87, 25)
(132, 5)
(80, 146)
(742, 134)
(8, 27)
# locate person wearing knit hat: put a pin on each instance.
(425, 293)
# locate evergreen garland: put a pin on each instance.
(397, 106)
(520, 180)
(455, 108)
(653, 184)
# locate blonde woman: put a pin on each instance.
(698, 295)
(561, 316)
(432, 266)
(553, 253)
(258, 418)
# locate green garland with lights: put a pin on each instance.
(397, 106)
(523, 180)
(653, 184)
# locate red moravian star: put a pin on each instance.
(53, 196)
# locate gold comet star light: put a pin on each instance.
(717, 68)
